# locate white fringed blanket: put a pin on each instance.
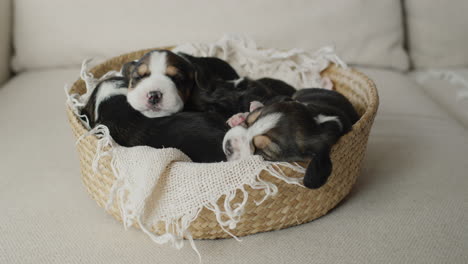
(156, 185)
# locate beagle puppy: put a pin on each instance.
(199, 135)
(162, 83)
(300, 129)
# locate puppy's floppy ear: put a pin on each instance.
(254, 105)
(319, 169)
(202, 79)
(128, 68)
(278, 99)
(88, 109)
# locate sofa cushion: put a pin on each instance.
(408, 206)
(437, 32)
(58, 33)
(449, 88)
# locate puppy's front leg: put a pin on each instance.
(237, 119)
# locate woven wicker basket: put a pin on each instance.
(293, 205)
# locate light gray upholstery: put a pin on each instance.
(408, 206)
(451, 95)
(364, 32)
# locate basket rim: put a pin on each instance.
(309, 204)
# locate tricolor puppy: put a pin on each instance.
(198, 135)
(162, 82)
(302, 129)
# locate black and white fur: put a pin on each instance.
(300, 129)
(198, 135)
(162, 82)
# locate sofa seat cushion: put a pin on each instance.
(409, 204)
(367, 33)
(448, 88)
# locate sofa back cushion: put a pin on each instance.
(437, 32)
(58, 33)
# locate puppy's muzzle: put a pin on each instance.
(154, 97)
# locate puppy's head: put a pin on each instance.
(284, 131)
(276, 132)
(159, 83)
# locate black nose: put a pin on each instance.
(154, 97)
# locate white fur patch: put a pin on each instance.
(241, 138)
(157, 81)
(264, 124)
(236, 82)
(107, 90)
(323, 118)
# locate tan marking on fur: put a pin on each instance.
(142, 69)
(253, 117)
(261, 141)
(171, 70)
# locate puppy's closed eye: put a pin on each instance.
(141, 71)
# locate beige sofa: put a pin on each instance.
(410, 204)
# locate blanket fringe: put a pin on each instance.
(227, 216)
(302, 67)
(177, 229)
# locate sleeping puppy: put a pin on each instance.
(162, 82)
(297, 130)
(198, 135)
(230, 97)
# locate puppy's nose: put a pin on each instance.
(154, 97)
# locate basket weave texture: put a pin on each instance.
(293, 205)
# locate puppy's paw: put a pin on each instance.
(254, 105)
(237, 119)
